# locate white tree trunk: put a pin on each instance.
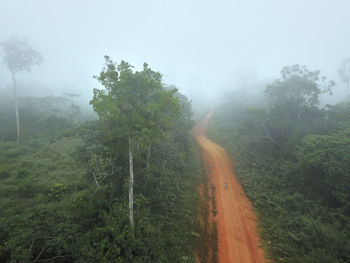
(16, 106)
(148, 155)
(98, 185)
(131, 183)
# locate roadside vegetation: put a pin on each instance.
(292, 157)
(64, 187)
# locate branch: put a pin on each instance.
(96, 180)
(49, 259)
(269, 136)
(111, 160)
(37, 258)
(30, 248)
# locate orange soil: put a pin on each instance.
(238, 240)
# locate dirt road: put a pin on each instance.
(238, 241)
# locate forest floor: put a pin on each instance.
(238, 239)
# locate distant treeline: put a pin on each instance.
(40, 116)
(293, 159)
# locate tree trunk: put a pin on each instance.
(268, 135)
(16, 106)
(131, 183)
(148, 155)
(98, 185)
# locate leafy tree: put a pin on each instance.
(298, 85)
(344, 73)
(133, 107)
(19, 56)
(293, 103)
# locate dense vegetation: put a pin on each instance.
(134, 107)
(40, 116)
(293, 159)
(64, 190)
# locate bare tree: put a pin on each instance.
(344, 73)
(19, 56)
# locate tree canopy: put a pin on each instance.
(299, 86)
(293, 102)
(134, 106)
(134, 103)
(19, 55)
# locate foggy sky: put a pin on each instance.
(200, 46)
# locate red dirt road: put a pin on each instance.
(238, 240)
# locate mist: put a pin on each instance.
(205, 48)
(175, 131)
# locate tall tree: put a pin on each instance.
(134, 107)
(299, 86)
(344, 73)
(293, 102)
(19, 56)
(75, 109)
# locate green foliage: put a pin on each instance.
(338, 116)
(135, 107)
(325, 162)
(207, 249)
(299, 86)
(134, 104)
(293, 106)
(40, 117)
(52, 209)
(293, 162)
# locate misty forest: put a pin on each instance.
(202, 131)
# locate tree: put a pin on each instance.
(344, 73)
(293, 102)
(75, 109)
(134, 107)
(298, 85)
(19, 56)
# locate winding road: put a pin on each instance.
(238, 240)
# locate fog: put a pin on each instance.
(205, 48)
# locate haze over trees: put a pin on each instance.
(292, 157)
(64, 188)
(293, 103)
(105, 168)
(344, 73)
(19, 56)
